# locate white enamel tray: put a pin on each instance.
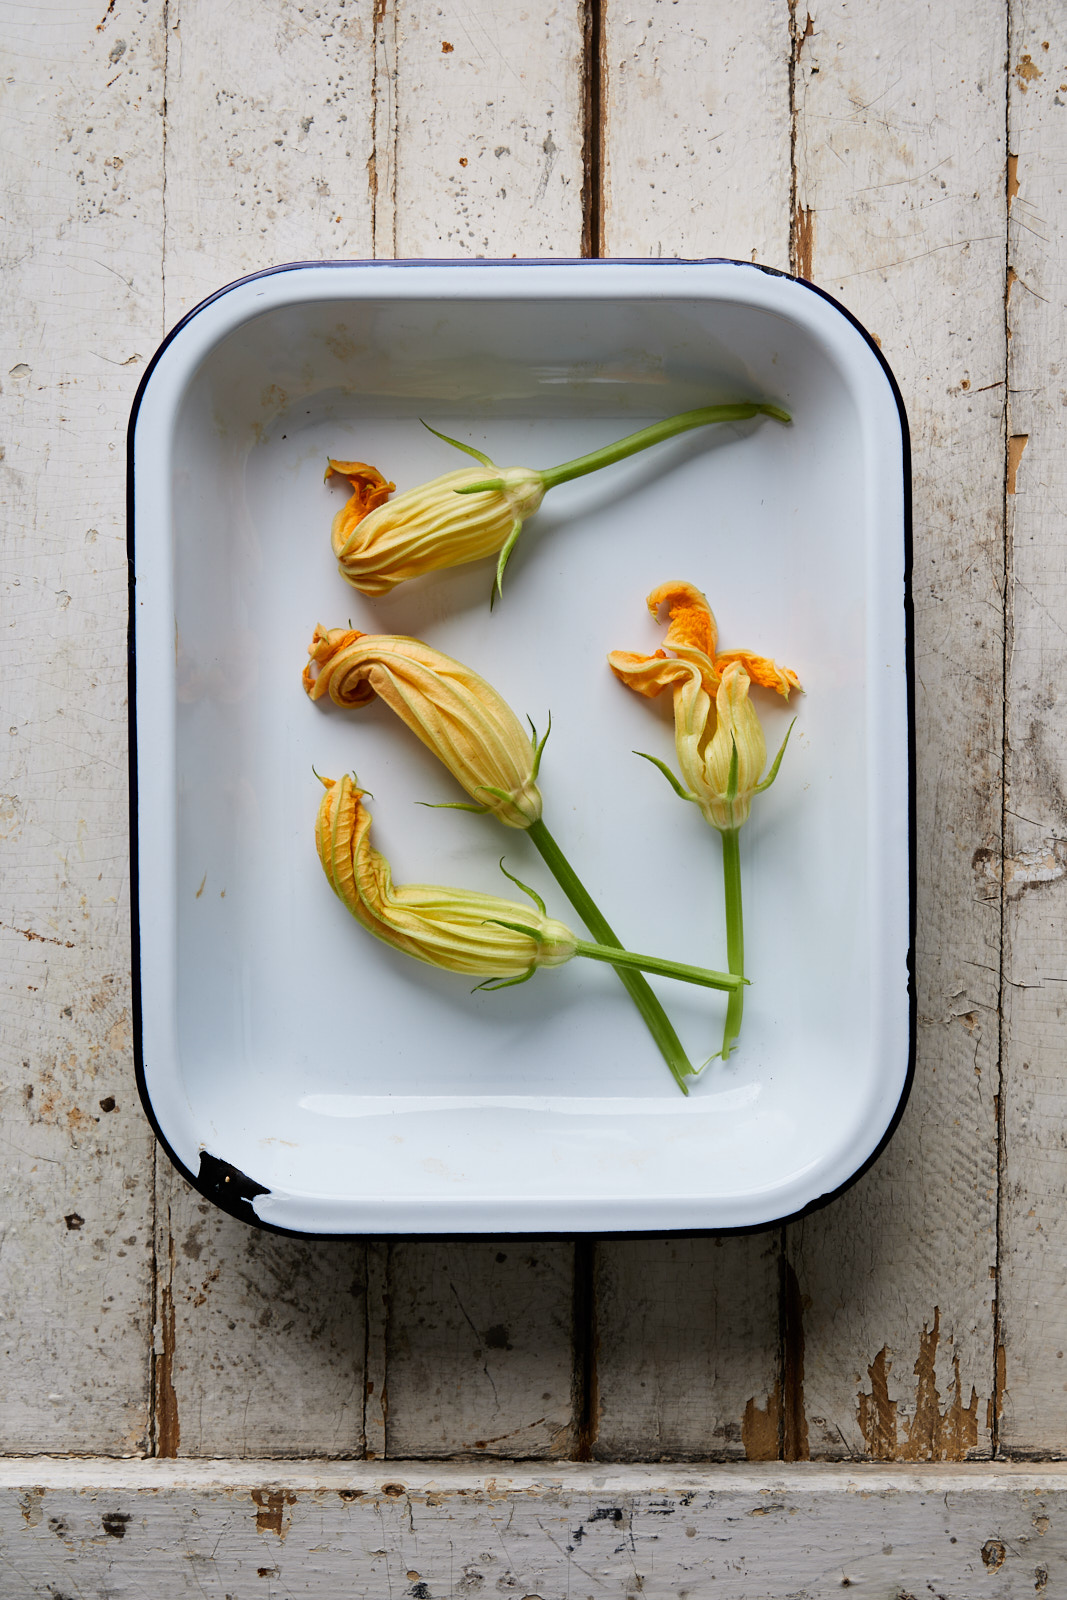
(302, 1074)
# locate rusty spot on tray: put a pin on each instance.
(1016, 445)
(272, 1510)
(446, 48)
(804, 241)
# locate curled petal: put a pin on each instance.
(433, 526)
(762, 670)
(456, 714)
(692, 633)
(370, 489)
(648, 675)
(480, 935)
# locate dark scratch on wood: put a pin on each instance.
(795, 1445)
(584, 1386)
(593, 132)
(168, 1434)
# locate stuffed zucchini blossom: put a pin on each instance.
(456, 714)
(718, 736)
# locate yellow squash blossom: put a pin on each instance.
(460, 930)
(476, 511)
(443, 523)
(480, 935)
(456, 714)
(713, 716)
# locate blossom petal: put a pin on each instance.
(370, 489)
(456, 929)
(456, 714)
(762, 670)
(692, 633)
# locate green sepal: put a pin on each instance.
(502, 561)
(468, 449)
(525, 887)
(517, 927)
(491, 985)
(731, 782)
(481, 487)
(538, 746)
(683, 794)
(500, 794)
(769, 779)
(453, 805)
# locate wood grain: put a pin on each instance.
(480, 1350)
(664, 1533)
(900, 202)
(1033, 1284)
(696, 130)
(488, 115)
(260, 1339)
(269, 140)
(81, 285)
(687, 1331)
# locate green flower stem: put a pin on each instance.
(656, 1020)
(658, 964)
(735, 933)
(659, 431)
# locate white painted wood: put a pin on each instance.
(489, 129)
(901, 214)
(286, 1528)
(1033, 1286)
(261, 1338)
(82, 303)
(478, 117)
(480, 1350)
(269, 136)
(696, 129)
(687, 1349)
(695, 141)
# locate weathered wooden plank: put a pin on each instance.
(687, 1349)
(901, 214)
(269, 138)
(487, 105)
(260, 1339)
(1033, 1286)
(478, 112)
(696, 130)
(665, 1533)
(81, 257)
(696, 161)
(480, 1350)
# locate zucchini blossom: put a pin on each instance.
(456, 714)
(716, 728)
(477, 511)
(480, 935)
